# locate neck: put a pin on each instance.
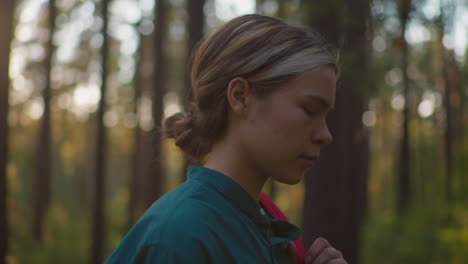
(229, 160)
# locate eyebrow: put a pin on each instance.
(322, 101)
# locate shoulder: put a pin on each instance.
(173, 230)
(189, 205)
(178, 239)
(186, 214)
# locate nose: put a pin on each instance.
(322, 136)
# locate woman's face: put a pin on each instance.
(285, 130)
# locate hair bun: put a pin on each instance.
(182, 127)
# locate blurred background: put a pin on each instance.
(84, 85)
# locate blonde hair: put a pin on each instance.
(265, 51)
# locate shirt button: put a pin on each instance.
(262, 212)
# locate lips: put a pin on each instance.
(309, 160)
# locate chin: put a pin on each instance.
(291, 178)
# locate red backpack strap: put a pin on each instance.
(276, 213)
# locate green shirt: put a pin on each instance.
(207, 219)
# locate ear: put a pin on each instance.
(238, 95)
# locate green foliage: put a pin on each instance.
(437, 235)
(65, 239)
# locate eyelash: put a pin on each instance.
(309, 113)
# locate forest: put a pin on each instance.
(86, 84)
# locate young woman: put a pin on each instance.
(261, 93)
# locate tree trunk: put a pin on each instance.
(155, 178)
(195, 28)
(140, 155)
(41, 186)
(136, 169)
(336, 188)
(463, 132)
(452, 100)
(281, 11)
(98, 235)
(404, 183)
(454, 126)
(448, 124)
(145, 156)
(195, 25)
(6, 25)
(259, 6)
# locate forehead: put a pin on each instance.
(317, 83)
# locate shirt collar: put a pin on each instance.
(231, 190)
(234, 193)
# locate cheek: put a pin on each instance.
(278, 127)
(282, 129)
(292, 125)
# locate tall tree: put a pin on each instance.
(449, 122)
(98, 231)
(259, 6)
(6, 26)
(155, 177)
(450, 91)
(464, 128)
(195, 23)
(404, 187)
(195, 29)
(336, 189)
(133, 181)
(282, 6)
(41, 186)
(143, 84)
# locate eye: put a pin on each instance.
(309, 112)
